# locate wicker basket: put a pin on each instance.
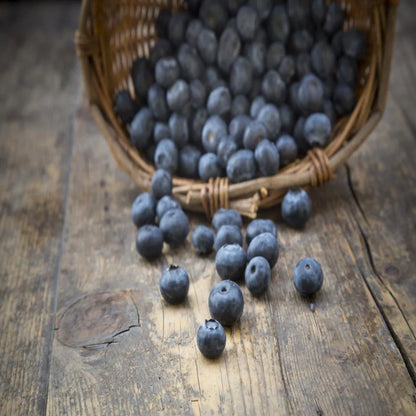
(113, 33)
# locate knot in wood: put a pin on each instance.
(321, 170)
(214, 195)
(85, 44)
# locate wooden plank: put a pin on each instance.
(281, 358)
(39, 84)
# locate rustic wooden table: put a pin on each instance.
(83, 328)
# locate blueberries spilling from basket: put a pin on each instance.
(241, 88)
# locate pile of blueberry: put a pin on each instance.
(241, 88)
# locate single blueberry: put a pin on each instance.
(188, 161)
(267, 158)
(214, 15)
(287, 69)
(143, 209)
(178, 126)
(343, 99)
(177, 28)
(226, 302)
(301, 41)
(296, 207)
(310, 94)
(195, 26)
(336, 43)
(161, 183)
(256, 53)
(211, 78)
(219, 101)
(303, 64)
(273, 88)
(318, 12)
(287, 118)
(354, 43)
(294, 99)
(160, 131)
(203, 239)
(278, 26)
(255, 132)
(287, 148)
(175, 227)
(174, 284)
(264, 245)
(228, 49)
(241, 166)
(226, 148)
(317, 129)
(256, 105)
(298, 12)
(213, 131)
(190, 62)
(347, 71)
(162, 22)
(334, 18)
(165, 204)
(156, 99)
(141, 128)
(240, 105)
(167, 71)
(323, 59)
(299, 136)
(225, 216)
(308, 276)
(248, 21)
(149, 241)
(178, 95)
(257, 276)
(125, 107)
(241, 76)
(275, 54)
(166, 155)
(237, 128)
(269, 115)
(207, 45)
(263, 7)
(161, 49)
(198, 93)
(209, 166)
(196, 125)
(259, 226)
(228, 234)
(211, 339)
(142, 76)
(230, 262)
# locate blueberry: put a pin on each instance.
(256, 53)
(211, 339)
(174, 284)
(287, 118)
(142, 76)
(343, 99)
(318, 12)
(328, 109)
(260, 226)
(255, 132)
(228, 234)
(230, 262)
(175, 226)
(228, 49)
(197, 93)
(310, 93)
(162, 22)
(267, 158)
(269, 115)
(226, 302)
(354, 43)
(240, 105)
(263, 7)
(241, 76)
(256, 88)
(188, 161)
(143, 209)
(209, 167)
(287, 148)
(149, 241)
(166, 155)
(178, 126)
(213, 131)
(347, 71)
(336, 43)
(226, 148)
(195, 26)
(241, 166)
(142, 128)
(294, 99)
(303, 64)
(298, 12)
(203, 239)
(214, 15)
(167, 71)
(125, 107)
(317, 129)
(301, 41)
(278, 26)
(178, 95)
(323, 59)
(161, 183)
(287, 69)
(296, 207)
(156, 99)
(257, 276)
(234, 5)
(196, 125)
(219, 101)
(212, 78)
(334, 18)
(190, 62)
(207, 45)
(248, 21)
(299, 136)
(224, 216)
(165, 204)
(273, 88)
(161, 49)
(237, 128)
(264, 245)
(177, 28)
(308, 276)
(160, 131)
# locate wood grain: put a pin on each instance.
(38, 88)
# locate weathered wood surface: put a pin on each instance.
(117, 347)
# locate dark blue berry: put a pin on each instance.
(197, 123)
(263, 7)
(287, 148)
(237, 128)
(143, 209)
(267, 158)
(228, 49)
(198, 93)
(209, 166)
(125, 107)
(354, 43)
(303, 64)
(301, 41)
(240, 105)
(318, 12)
(278, 26)
(317, 129)
(160, 131)
(175, 227)
(255, 132)
(248, 21)
(256, 105)
(178, 126)
(269, 115)
(212, 78)
(203, 239)
(190, 62)
(264, 245)
(166, 155)
(225, 216)
(287, 69)
(195, 26)
(161, 183)
(174, 284)
(219, 101)
(260, 226)
(178, 95)
(207, 45)
(149, 241)
(188, 161)
(275, 54)
(241, 166)
(213, 131)
(167, 71)
(287, 118)
(347, 71)
(241, 76)
(211, 339)
(230, 262)
(141, 128)
(308, 276)
(162, 22)
(273, 88)
(343, 99)
(228, 234)
(336, 43)
(156, 99)
(296, 207)
(329, 87)
(165, 204)
(177, 28)
(226, 148)
(161, 49)
(323, 59)
(257, 276)
(226, 302)
(334, 18)
(298, 12)
(256, 53)
(310, 94)
(299, 136)
(142, 76)
(214, 15)
(294, 99)
(256, 88)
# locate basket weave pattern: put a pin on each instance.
(113, 33)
